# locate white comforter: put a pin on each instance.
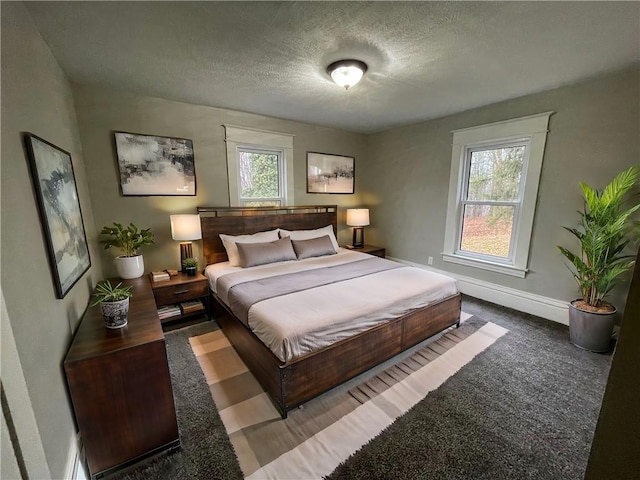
(295, 324)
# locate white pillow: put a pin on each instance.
(309, 234)
(229, 242)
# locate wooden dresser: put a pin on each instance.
(120, 385)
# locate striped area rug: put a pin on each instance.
(325, 431)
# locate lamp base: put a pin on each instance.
(358, 237)
(186, 251)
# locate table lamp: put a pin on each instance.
(185, 228)
(358, 218)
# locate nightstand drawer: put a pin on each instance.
(180, 292)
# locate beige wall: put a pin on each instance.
(102, 112)
(37, 98)
(593, 135)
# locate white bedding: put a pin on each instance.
(295, 324)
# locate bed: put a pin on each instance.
(291, 298)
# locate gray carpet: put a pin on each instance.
(206, 452)
(524, 408)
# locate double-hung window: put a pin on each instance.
(259, 167)
(495, 172)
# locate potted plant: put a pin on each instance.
(128, 239)
(603, 235)
(190, 266)
(114, 303)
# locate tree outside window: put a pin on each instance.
(260, 177)
(492, 199)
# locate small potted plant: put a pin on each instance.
(603, 235)
(128, 239)
(190, 266)
(114, 303)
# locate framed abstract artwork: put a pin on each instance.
(152, 165)
(328, 173)
(55, 187)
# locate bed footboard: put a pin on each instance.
(293, 383)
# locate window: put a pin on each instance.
(260, 176)
(491, 200)
(259, 165)
(495, 171)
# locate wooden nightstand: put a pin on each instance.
(181, 291)
(372, 250)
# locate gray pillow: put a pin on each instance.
(314, 247)
(252, 254)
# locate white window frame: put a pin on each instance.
(530, 131)
(247, 138)
(516, 203)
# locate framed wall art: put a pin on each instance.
(152, 165)
(60, 214)
(328, 173)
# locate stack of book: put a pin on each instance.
(168, 311)
(159, 276)
(190, 307)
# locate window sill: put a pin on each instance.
(485, 265)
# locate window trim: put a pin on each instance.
(533, 129)
(236, 137)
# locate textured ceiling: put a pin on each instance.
(426, 59)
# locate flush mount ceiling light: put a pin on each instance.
(347, 73)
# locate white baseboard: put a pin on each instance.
(74, 469)
(545, 307)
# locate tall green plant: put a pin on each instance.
(128, 239)
(603, 236)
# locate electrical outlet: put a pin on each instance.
(430, 261)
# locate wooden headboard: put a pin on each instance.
(248, 220)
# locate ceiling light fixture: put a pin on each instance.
(347, 73)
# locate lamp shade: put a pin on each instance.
(357, 217)
(185, 227)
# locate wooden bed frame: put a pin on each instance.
(292, 383)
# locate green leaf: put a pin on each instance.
(128, 239)
(604, 236)
(105, 292)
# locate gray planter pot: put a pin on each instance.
(589, 330)
(115, 313)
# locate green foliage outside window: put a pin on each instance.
(495, 176)
(259, 175)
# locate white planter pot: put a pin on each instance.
(130, 267)
(115, 313)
